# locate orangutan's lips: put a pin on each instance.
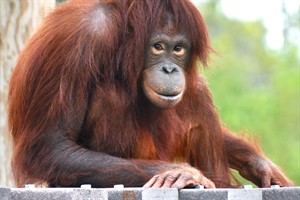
(171, 97)
(164, 97)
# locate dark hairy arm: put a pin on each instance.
(248, 160)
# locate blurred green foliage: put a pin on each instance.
(256, 89)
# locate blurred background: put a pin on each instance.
(253, 74)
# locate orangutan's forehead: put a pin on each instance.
(169, 27)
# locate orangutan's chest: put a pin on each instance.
(139, 144)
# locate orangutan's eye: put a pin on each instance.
(179, 50)
(157, 48)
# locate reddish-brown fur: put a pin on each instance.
(77, 113)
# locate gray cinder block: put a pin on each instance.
(244, 194)
(160, 194)
(4, 193)
(40, 193)
(126, 193)
(203, 194)
(89, 194)
(291, 193)
(57, 193)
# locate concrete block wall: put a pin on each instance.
(119, 193)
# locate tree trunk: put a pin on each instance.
(19, 20)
